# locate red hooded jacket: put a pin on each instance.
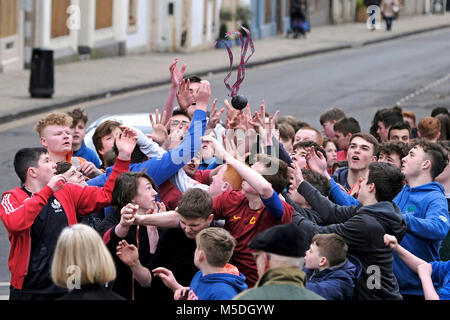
(18, 212)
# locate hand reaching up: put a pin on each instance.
(159, 131)
(184, 96)
(175, 74)
(317, 162)
(126, 143)
(203, 95)
(214, 116)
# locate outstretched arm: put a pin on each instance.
(176, 77)
(421, 267)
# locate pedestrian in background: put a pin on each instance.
(389, 10)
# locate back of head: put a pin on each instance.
(26, 158)
(218, 245)
(276, 172)
(80, 250)
(287, 240)
(232, 177)
(318, 181)
(435, 153)
(78, 115)
(195, 203)
(334, 114)
(409, 114)
(439, 110)
(347, 125)
(332, 246)
(388, 180)
(126, 188)
(287, 131)
(429, 128)
(390, 116)
(445, 126)
(54, 118)
(289, 120)
(319, 138)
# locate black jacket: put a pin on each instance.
(123, 284)
(91, 292)
(363, 228)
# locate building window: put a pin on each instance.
(132, 15)
(8, 18)
(103, 14)
(268, 11)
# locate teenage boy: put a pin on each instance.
(400, 131)
(78, 130)
(328, 271)
(393, 152)
(328, 119)
(55, 136)
(343, 130)
(37, 212)
(362, 150)
(362, 227)
(216, 279)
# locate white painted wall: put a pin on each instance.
(197, 13)
(139, 38)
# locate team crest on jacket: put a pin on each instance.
(56, 206)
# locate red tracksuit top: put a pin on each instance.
(18, 212)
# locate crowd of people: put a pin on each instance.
(257, 206)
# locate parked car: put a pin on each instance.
(137, 120)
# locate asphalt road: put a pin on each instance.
(413, 70)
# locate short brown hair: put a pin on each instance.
(347, 125)
(78, 115)
(279, 180)
(54, 118)
(409, 114)
(332, 114)
(102, 130)
(397, 147)
(287, 131)
(435, 153)
(332, 246)
(218, 245)
(125, 188)
(318, 134)
(195, 203)
(429, 127)
(369, 138)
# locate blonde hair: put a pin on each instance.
(81, 247)
(218, 245)
(54, 118)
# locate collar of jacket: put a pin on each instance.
(283, 275)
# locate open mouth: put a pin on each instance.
(355, 158)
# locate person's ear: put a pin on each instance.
(426, 164)
(32, 172)
(323, 262)
(374, 159)
(210, 218)
(438, 135)
(226, 187)
(44, 142)
(372, 187)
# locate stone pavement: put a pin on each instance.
(92, 79)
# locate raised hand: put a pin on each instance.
(296, 175)
(214, 116)
(126, 143)
(181, 294)
(57, 182)
(159, 131)
(175, 74)
(184, 96)
(203, 95)
(128, 253)
(87, 168)
(317, 162)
